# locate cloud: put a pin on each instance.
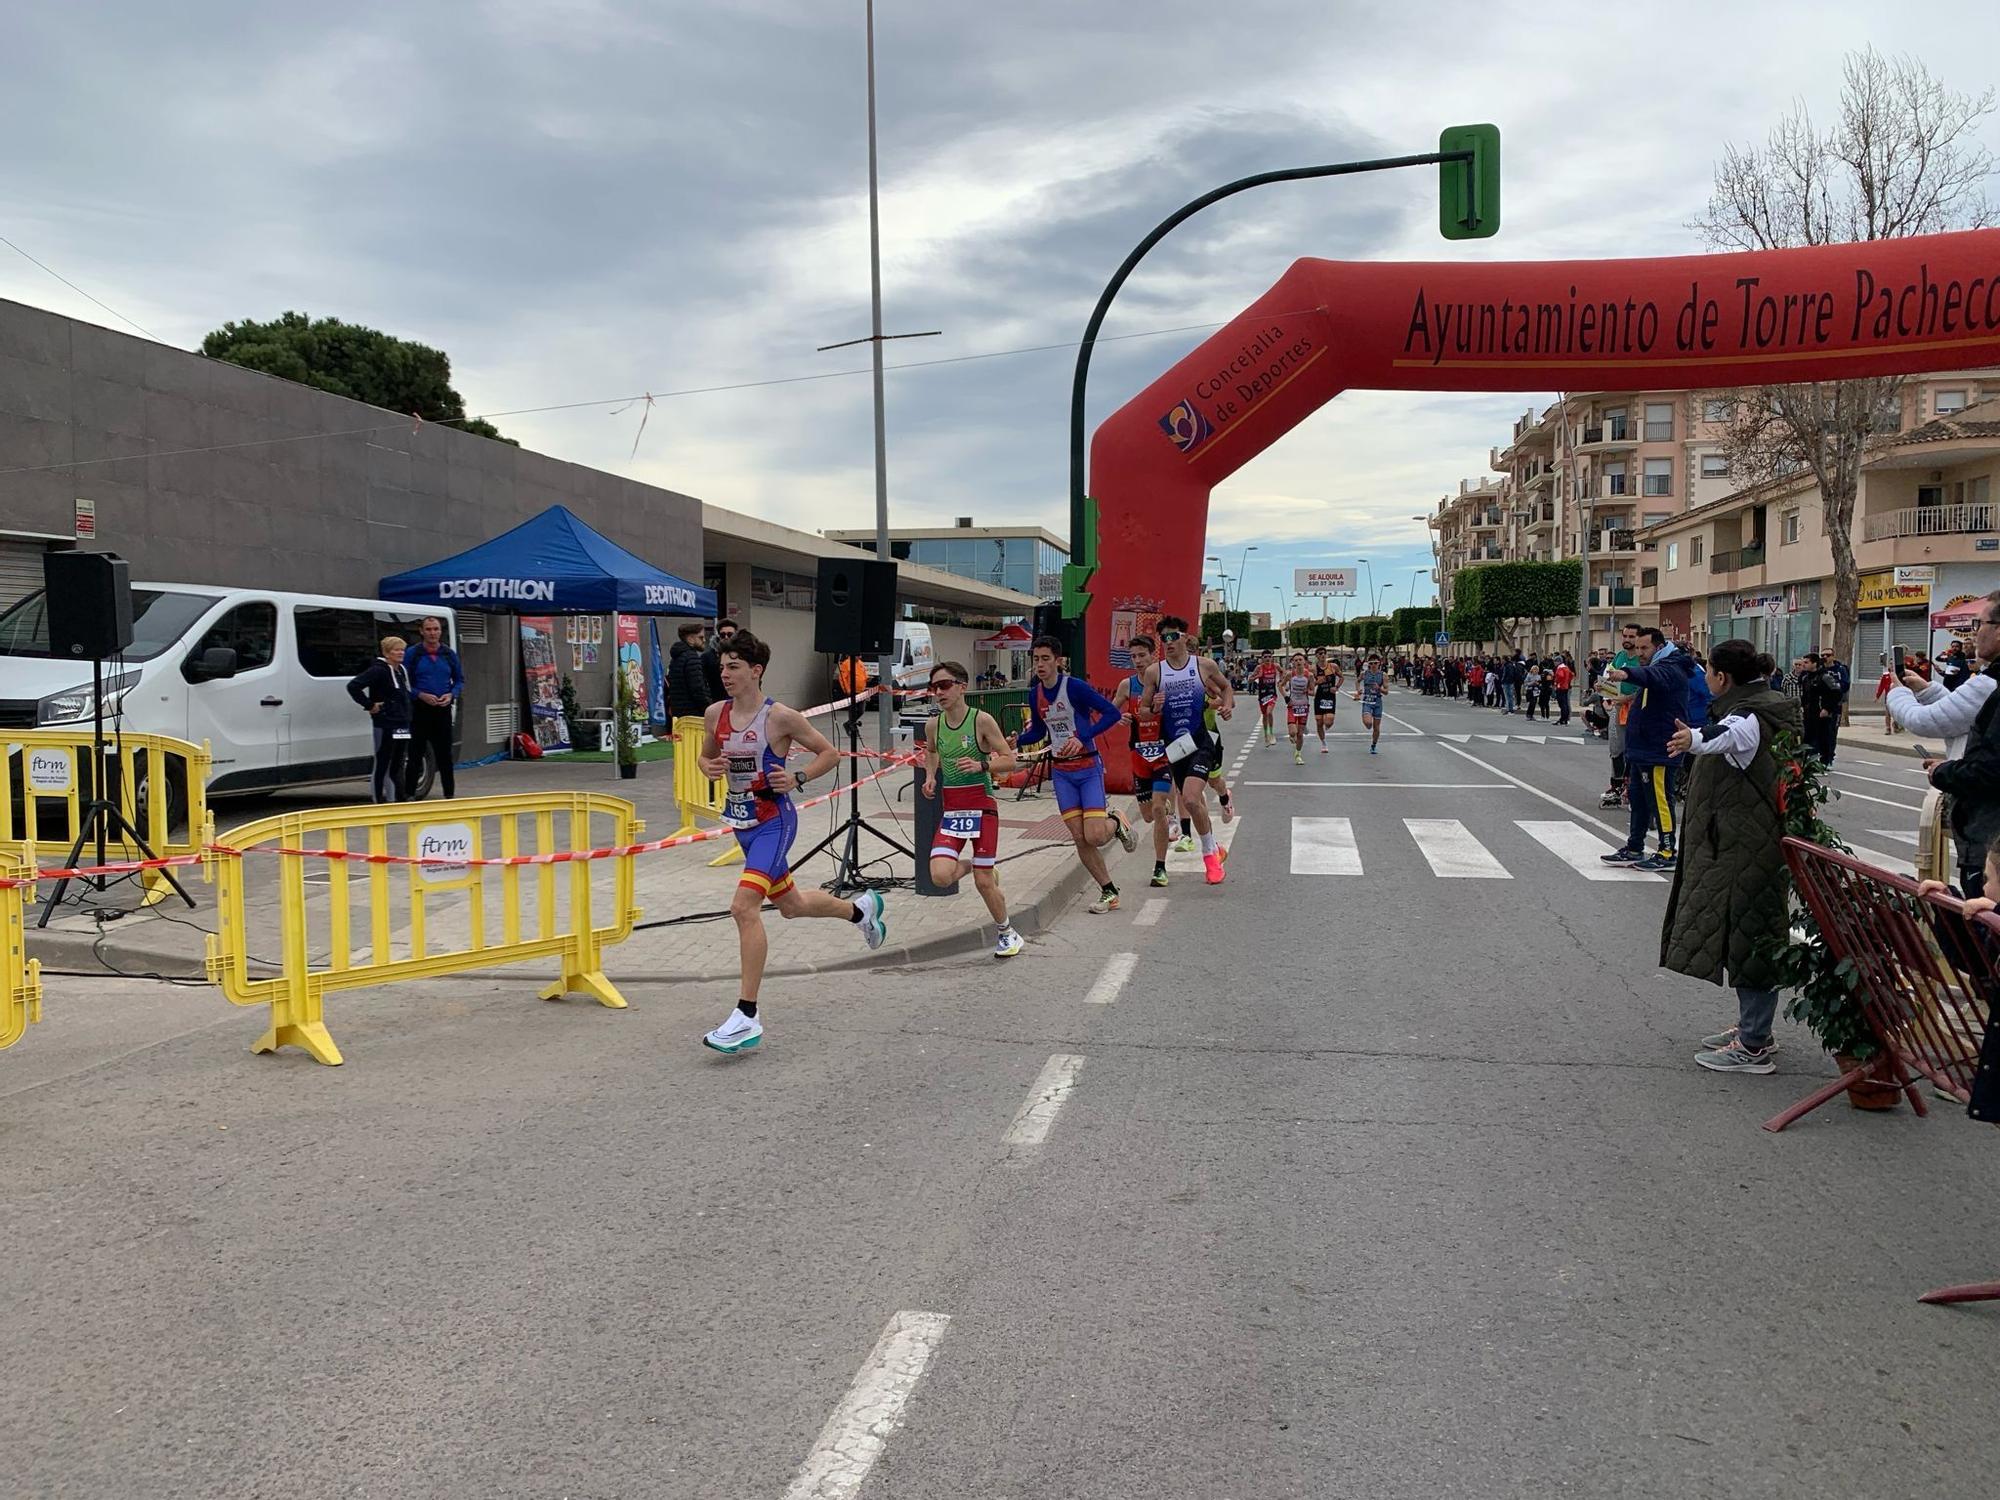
(584, 199)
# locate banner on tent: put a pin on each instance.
(544, 682)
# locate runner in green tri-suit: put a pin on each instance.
(962, 747)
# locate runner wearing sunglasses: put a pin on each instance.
(963, 746)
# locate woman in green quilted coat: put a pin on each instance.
(1729, 894)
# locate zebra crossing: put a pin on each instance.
(1563, 738)
(1331, 846)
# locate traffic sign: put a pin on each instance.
(1442, 638)
(1469, 191)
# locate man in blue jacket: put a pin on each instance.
(1661, 679)
(437, 682)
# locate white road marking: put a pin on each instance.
(1407, 725)
(1462, 739)
(1150, 912)
(1441, 786)
(1117, 971)
(1532, 739)
(1901, 836)
(1578, 848)
(1875, 780)
(1453, 852)
(1901, 864)
(1549, 797)
(1499, 739)
(860, 1427)
(1051, 1088)
(1324, 846)
(1870, 797)
(1225, 835)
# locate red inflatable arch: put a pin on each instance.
(1678, 323)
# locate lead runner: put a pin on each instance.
(745, 740)
(1177, 689)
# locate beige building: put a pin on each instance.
(1611, 475)
(1757, 563)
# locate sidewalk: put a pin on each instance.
(683, 932)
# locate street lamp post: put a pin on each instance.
(1082, 515)
(1371, 582)
(1278, 589)
(1242, 571)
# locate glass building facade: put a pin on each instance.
(1022, 563)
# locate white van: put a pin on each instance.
(260, 675)
(914, 655)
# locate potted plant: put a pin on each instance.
(1825, 990)
(626, 729)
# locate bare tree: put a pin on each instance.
(1900, 161)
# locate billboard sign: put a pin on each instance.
(1335, 581)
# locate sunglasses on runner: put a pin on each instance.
(1171, 635)
(939, 684)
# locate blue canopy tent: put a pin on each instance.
(551, 564)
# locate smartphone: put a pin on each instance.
(1899, 663)
(1922, 753)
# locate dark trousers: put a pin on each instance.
(1562, 702)
(385, 783)
(1652, 806)
(1821, 735)
(430, 728)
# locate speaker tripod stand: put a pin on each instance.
(847, 876)
(103, 819)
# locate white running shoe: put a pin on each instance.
(1008, 943)
(1229, 811)
(1107, 900)
(1122, 831)
(739, 1033)
(874, 922)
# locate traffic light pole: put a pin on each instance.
(1082, 520)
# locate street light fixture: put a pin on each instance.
(1279, 590)
(1371, 582)
(1241, 573)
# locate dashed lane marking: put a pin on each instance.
(1045, 1100)
(1117, 973)
(860, 1427)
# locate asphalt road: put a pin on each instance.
(1394, 1183)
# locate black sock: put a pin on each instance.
(1109, 889)
(748, 1007)
(1187, 828)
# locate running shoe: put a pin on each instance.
(1656, 864)
(1007, 942)
(739, 1033)
(1212, 863)
(1724, 1039)
(1228, 810)
(1371, 748)
(1159, 874)
(1737, 1058)
(1622, 856)
(1107, 900)
(1322, 750)
(1298, 757)
(1185, 843)
(1122, 831)
(874, 919)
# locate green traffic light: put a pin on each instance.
(1469, 191)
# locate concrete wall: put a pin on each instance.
(324, 495)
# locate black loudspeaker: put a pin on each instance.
(89, 604)
(856, 613)
(1049, 621)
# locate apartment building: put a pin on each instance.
(1612, 474)
(1758, 563)
(1584, 476)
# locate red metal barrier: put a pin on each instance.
(1930, 979)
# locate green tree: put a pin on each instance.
(1469, 625)
(1264, 640)
(1509, 591)
(363, 364)
(1216, 621)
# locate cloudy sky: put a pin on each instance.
(584, 199)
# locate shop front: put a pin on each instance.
(1958, 584)
(1894, 609)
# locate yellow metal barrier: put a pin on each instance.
(315, 926)
(155, 780)
(20, 975)
(696, 794)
